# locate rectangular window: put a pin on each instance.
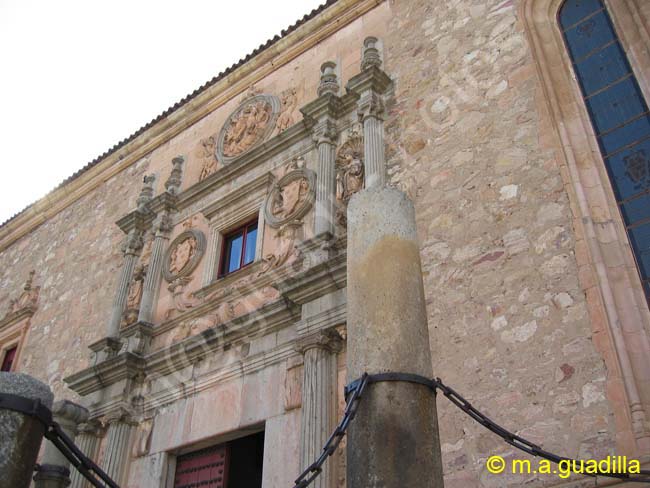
(234, 464)
(238, 249)
(8, 359)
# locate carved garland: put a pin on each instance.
(290, 198)
(183, 255)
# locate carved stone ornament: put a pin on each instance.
(252, 122)
(207, 157)
(183, 254)
(27, 299)
(289, 100)
(285, 251)
(291, 197)
(349, 172)
(130, 315)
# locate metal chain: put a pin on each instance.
(353, 394)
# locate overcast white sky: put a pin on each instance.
(77, 76)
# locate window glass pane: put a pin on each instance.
(8, 360)
(630, 133)
(251, 239)
(630, 171)
(589, 36)
(572, 12)
(234, 253)
(616, 105)
(602, 68)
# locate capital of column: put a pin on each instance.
(326, 132)
(370, 105)
(133, 243)
(119, 415)
(69, 414)
(162, 225)
(328, 339)
(90, 427)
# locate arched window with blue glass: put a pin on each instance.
(619, 115)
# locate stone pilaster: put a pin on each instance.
(87, 440)
(370, 85)
(54, 469)
(117, 446)
(131, 250)
(214, 245)
(319, 391)
(326, 136)
(162, 227)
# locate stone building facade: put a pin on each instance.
(189, 286)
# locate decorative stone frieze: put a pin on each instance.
(183, 255)
(285, 248)
(251, 123)
(291, 197)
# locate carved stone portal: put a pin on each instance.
(349, 173)
(252, 122)
(183, 254)
(290, 198)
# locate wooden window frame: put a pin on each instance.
(244, 229)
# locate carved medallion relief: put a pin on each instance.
(183, 255)
(251, 123)
(291, 197)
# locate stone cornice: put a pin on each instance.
(253, 190)
(270, 59)
(371, 79)
(316, 281)
(16, 317)
(123, 366)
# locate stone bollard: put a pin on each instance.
(394, 440)
(20, 434)
(54, 470)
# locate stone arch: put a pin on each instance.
(617, 306)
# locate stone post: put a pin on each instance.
(117, 446)
(394, 440)
(131, 250)
(326, 135)
(88, 442)
(151, 286)
(319, 389)
(20, 435)
(54, 469)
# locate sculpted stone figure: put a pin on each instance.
(289, 197)
(208, 157)
(247, 127)
(28, 298)
(289, 100)
(349, 172)
(130, 316)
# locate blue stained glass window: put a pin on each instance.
(619, 115)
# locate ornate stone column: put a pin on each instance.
(117, 445)
(319, 389)
(370, 85)
(87, 440)
(323, 112)
(162, 227)
(54, 469)
(131, 250)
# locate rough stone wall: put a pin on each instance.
(76, 257)
(469, 135)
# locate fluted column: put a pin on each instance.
(319, 389)
(151, 286)
(117, 447)
(131, 250)
(373, 140)
(54, 468)
(326, 178)
(87, 440)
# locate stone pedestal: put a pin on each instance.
(20, 435)
(393, 441)
(318, 401)
(54, 470)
